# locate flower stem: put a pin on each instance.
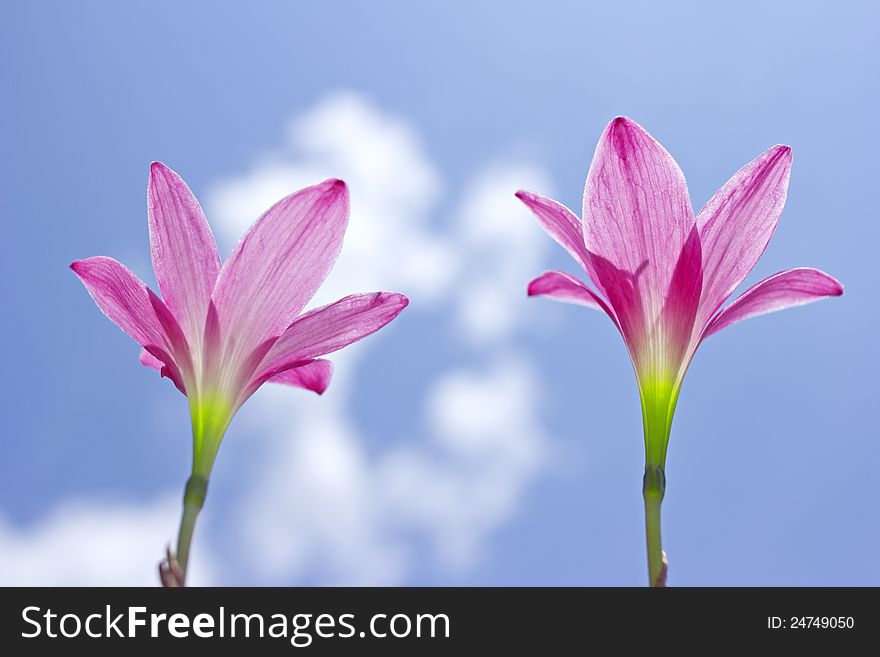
(193, 500)
(653, 489)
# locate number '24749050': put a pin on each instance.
(810, 622)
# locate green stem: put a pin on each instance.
(193, 500)
(653, 489)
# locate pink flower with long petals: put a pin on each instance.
(220, 331)
(662, 274)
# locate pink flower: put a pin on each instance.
(662, 274)
(220, 331)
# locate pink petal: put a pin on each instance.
(278, 265)
(637, 218)
(680, 331)
(148, 359)
(786, 289)
(737, 222)
(133, 307)
(169, 371)
(127, 301)
(184, 254)
(314, 375)
(564, 287)
(329, 328)
(560, 222)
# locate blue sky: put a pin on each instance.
(484, 438)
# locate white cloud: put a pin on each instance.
(490, 447)
(321, 502)
(93, 543)
(325, 506)
(390, 243)
(315, 509)
(504, 248)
